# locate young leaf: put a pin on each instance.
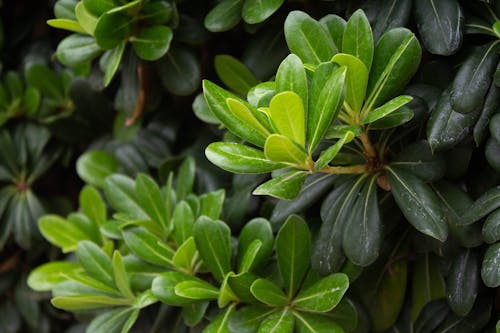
(244, 115)
(150, 199)
(418, 203)
(268, 293)
(121, 193)
(293, 250)
(183, 221)
(286, 186)
(120, 276)
(237, 158)
(213, 241)
(308, 39)
(257, 229)
(95, 262)
(329, 154)
(440, 24)
(291, 76)
(386, 109)
(47, 276)
(152, 43)
(288, 115)
(281, 149)
(358, 38)
(279, 322)
(66, 24)
(186, 255)
(196, 289)
(163, 288)
(256, 11)
(92, 205)
(324, 295)
(147, 246)
(261, 94)
(85, 18)
(327, 96)
(356, 79)
(235, 75)
(61, 232)
(113, 60)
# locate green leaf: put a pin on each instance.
(329, 154)
(94, 166)
(240, 285)
(248, 318)
(216, 98)
(163, 288)
(180, 70)
(395, 119)
(314, 323)
(286, 186)
(473, 78)
(44, 79)
(288, 115)
(396, 59)
(327, 97)
(490, 270)
(256, 11)
(226, 294)
(224, 16)
(268, 293)
(157, 12)
(485, 204)
(99, 7)
(121, 193)
(62, 232)
(308, 39)
(362, 236)
(419, 203)
(183, 221)
(152, 43)
(418, 159)
(245, 115)
(248, 257)
(491, 228)
(261, 94)
(196, 289)
(211, 204)
(281, 149)
(235, 75)
(386, 109)
(291, 76)
(66, 24)
(194, 313)
(47, 276)
(257, 229)
(462, 283)
(356, 79)
(120, 276)
(358, 38)
(83, 302)
(427, 283)
(324, 295)
(112, 29)
(95, 262)
(220, 323)
(213, 241)
(113, 60)
(186, 255)
(278, 322)
(150, 200)
(77, 49)
(391, 14)
(440, 24)
(85, 18)
(92, 205)
(114, 321)
(335, 25)
(148, 247)
(238, 158)
(293, 250)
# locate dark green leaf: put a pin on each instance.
(335, 25)
(113, 321)
(391, 14)
(268, 293)
(95, 262)
(462, 283)
(358, 38)
(248, 318)
(151, 201)
(491, 227)
(485, 204)
(235, 75)
(324, 295)
(98, 7)
(180, 71)
(418, 159)
(256, 11)
(224, 16)
(112, 29)
(286, 186)
(77, 49)
(291, 76)
(194, 313)
(314, 323)
(163, 288)
(490, 270)
(256, 229)
(147, 246)
(152, 43)
(183, 221)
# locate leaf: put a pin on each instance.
(473, 78)
(180, 70)
(62, 232)
(288, 115)
(86, 19)
(94, 166)
(194, 313)
(391, 14)
(327, 96)
(147, 246)
(152, 43)
(158, 12)
(248, 318)
(113, 321)
(45, 80)
(314, 323)
(293, 249)
(112, 29)
(216, 98)
(92, 205)
(261, 94)
(335, 25)
(386, 109)
(77, 49)
(490, 270)
(358, 38)
(98, 7)
(238, 158)
(151, 201)
(308, 39)
(183, 221)
(281, 149)
(428, 283)
(396, 59)
(84, 302)
(418, 159)
(221, 322)
(163, 288)
(324, 295)
(211, 203)
(95, 262)
(484, 205)
(196, 289)
(278, 322)
(235, 75)
(356, 79)
(257, 229)
(120, 276)
(268, 293)
(286, 186)
(440, 24)
(362, 236)
(329, 154)
(213, 241)
(291, 76)
(462, 283)
(240, 285)
(121, 193)
(256, 11)
(491, 228)
(66, 24)
(48, 275)
(245, 115)
(418, 203)
(186, 255)
(224, 16)
(112, 64)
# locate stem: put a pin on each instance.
(141, 98)
(370, 151)
(338, 170)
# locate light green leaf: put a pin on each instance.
(94, 166)
(77, 49)
(244, 115)
(95, 262)
(183, 221)
(211, 203)
(196, 289)
(66, 24)
(281, 149)
(386, 109)
(47, 276)
(358, 38)
(114, 58)
(62, 232)
(288, 115)
(356, 79)
(92, 205)
(286, 186)
(186, 255)
(329, 154)
(256, 11)
(147, 246)
(335, 25)
(120, 276)
(278, 322)
(324, 295)
(121, 193)
(291, 76)
(87, 302)
(268, 293)
(85, 18)
(163, 288)
(151, 201)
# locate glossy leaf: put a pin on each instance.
(163, 288)
(268, 293)
(84, 302)
(62, 232)
(152, 43)
(196, 289)
(256, 11)
(120, 276)
(288, 115)
(77, 49)
(324, 295)
(66, 24)
(329, 154)
(291, 76)
(211, 204)
(391, 14)
(386, 109)
(485, 204)
(121, 193)
(279, 322)
(47, 276)
(356, 79)
(281, 149)
(95, 262)
(245, 115)
(224, 16)
(256, 229)
(235, 75)
(490, 270)
(418, 159)
(358, 38)
(93, 167)
(92, 205)
(248, 318)
(113, 60)
(491, 227)
(314, 323)
(335, 25)
(462, 284)
(286, 186)
(147, 246)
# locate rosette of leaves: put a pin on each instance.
(16, 98)
(25, 156)
(166, 245)
(322, 94)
